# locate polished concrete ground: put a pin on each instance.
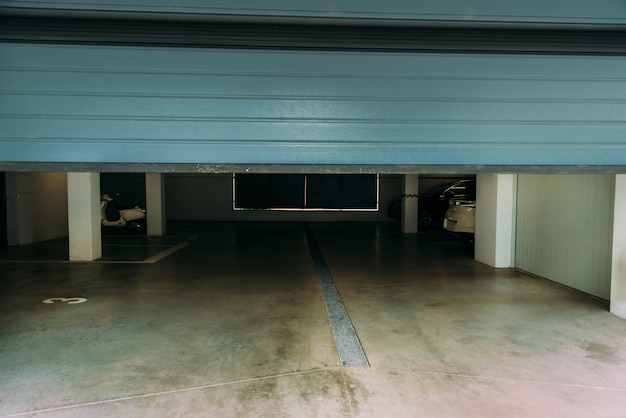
(234, 325)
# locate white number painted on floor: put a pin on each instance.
(69, 301)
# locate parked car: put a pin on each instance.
(460, 220)
(433, 203)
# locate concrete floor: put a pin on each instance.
(234, 324)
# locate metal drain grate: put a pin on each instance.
(349, 347)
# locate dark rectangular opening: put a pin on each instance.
(305, 192)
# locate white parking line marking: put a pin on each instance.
(69, 301)
(165, 253)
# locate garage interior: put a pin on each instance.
(228, 317)
(222, 307)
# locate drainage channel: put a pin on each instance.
(349, 347)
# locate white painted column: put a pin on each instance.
(410, 188)
(83, 211)
(155, 204)
(495, 219)
(618, 265)
(20, 211)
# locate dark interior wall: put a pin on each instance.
(430, 180)
(209, 197)
(50, 205)
(131, 187)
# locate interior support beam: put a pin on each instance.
(155, 204)
(618, 266)
(85, 236)
(495, 219)
(410, 189)
(219, 168)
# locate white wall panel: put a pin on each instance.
(618, 273)
(564, 229)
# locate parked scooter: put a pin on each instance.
(131, 218)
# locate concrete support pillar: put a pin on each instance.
(495, 219)
(618, 266)
(20, 211)
(83, 195)
(410, 188)
(155, 204)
